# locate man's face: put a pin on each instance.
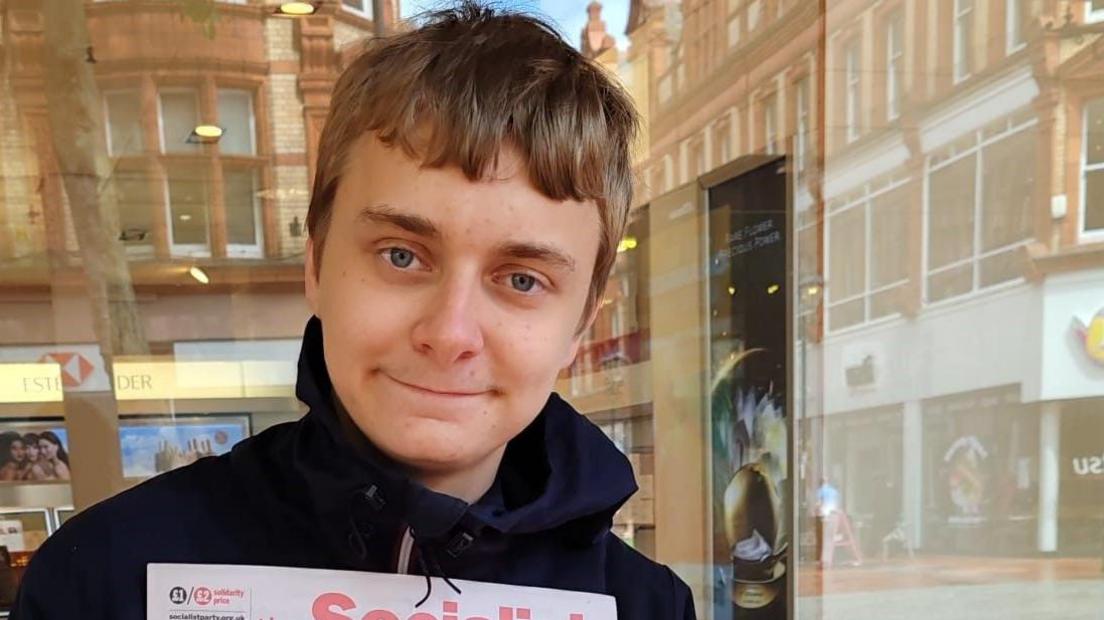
(448, 306)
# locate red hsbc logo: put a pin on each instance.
(75, 368)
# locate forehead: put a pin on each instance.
(505, 199)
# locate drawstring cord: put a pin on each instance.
(425, 551)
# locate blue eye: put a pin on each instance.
(400, 257)
(522, 282)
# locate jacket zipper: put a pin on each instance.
(406, 548)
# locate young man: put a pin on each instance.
(472, 185)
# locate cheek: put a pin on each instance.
(359, 317)
(533, 353)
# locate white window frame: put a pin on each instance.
(801, 101)
(161, 116)
(1092, 16)
(1087, 235)
(865, 202)
(852, 89)
(256, 249)
(1014, 26)
(963, 38)
(364, 11)
(977, 256)
(107, 121)
(894, 61)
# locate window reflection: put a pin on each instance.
(945, 163)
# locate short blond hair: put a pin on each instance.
(471, 80)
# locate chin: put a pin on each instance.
(432, 446)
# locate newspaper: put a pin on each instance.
(226, 592)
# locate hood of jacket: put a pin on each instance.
(560, 476)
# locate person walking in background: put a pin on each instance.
(827, 511)
(828, 498)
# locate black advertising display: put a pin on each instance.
(748, 341)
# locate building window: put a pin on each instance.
(734, 31)
(178, 115)
(1094, 10)
(801, 135)
(187, 196)
(134, 193)
(657, 185)
(1015, 14)
(851, 90)
(979, 212)
(722, 141)
(124, 122)
(770, 125)
(963, 39)
(1092, 170)
(235, 116)
(895, 54)
(699, 160)
(360, 7)
(754, 14)
(243, 213)
(868, 257)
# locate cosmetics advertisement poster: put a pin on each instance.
(748, 318)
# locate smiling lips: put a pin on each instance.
(436, 392)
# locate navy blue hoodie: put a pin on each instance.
(315, 494)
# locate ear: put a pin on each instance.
(310, 278)
(583, 330)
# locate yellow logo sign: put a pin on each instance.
(1091, 336)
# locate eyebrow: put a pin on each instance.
(386, 214)
(537, 251)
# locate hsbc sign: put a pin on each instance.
(81, 365)
(75, 368)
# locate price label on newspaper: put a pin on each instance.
(224, 592)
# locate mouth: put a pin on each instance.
(440, 393)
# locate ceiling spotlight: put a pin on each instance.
(205, 134)
(296, 9)
(199, 274)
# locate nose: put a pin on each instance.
(449, 329)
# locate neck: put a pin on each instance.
(469, 483)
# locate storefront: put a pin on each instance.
(981, 455)
(863, 461)
(1081, 491)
